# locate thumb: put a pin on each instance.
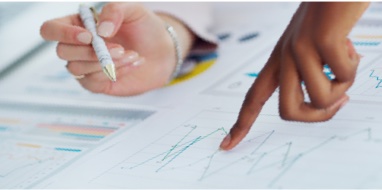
(114, 14)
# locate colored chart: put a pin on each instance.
(366, 35)
(367, 39)
(239, 81)
(368, 77)
(37, 141)
(369, 83)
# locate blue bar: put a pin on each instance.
(83, 135)
(67, 149)
(2, 128)
(249, 37)
(252, 74)
(365, 43)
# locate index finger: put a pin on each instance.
(67, 30)
(257, 95)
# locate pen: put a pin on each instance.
(89, 20)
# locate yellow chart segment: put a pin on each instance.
(368, 36)
(199, 68)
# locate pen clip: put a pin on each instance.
(95, 15)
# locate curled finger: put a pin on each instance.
(322, 91)
(71, 52)
(66, 30)
(292, 105)
(87, 67)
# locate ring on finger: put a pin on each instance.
(78, 77)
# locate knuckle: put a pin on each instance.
(90, 54)
(325, 42)
(288, 113)
(112, 7)
(73, 68)
(138, 6)
(299, 46)
(287, 116)
(347, 74)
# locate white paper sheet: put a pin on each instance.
(177, 147)
(342, 153)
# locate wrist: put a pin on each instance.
(185, 36)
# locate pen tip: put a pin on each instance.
(109, 70)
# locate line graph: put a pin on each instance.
(24, 162)
(368, 83)
(38, 140)
(366, 38)
(376, 74)
(277, 154)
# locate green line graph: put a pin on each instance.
(269, 157)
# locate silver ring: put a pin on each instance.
(78, 77)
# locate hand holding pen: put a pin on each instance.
(89, 18)
(136, 38)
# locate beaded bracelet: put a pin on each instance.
(178, 51)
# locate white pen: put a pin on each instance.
(98, 43)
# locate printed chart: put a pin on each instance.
(276, 154)
(367, 39)
(37, 141)
(241, 79)
(368, 83)
(367, 34)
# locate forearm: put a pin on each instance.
(336, 18)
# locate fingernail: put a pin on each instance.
(226, 141)
(130, 56)
(138, 62)
(84, 37)
(105, 29)
(117, 52)
(344, 103)
(340, 103)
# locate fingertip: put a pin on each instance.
(343, 103)
(339, 103)
(226, 141)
